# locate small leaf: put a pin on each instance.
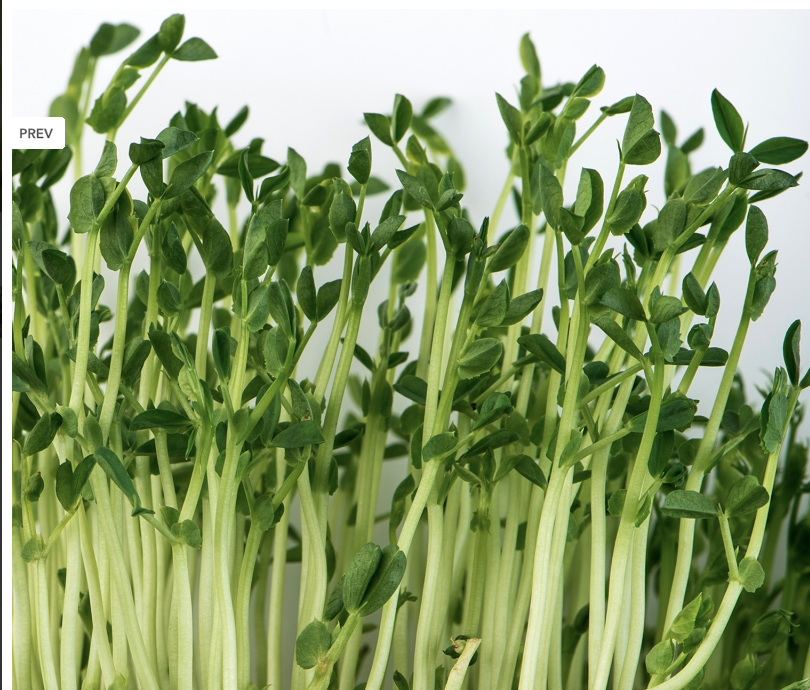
(312, 644)
(328, 295)
(746, 496)
(752, 574)
(728, 122)
(689, 505)
(166, 420)
(480, 357)
(625, 302)
(307, 296)
(756, 234)
(615, 332)
(187, 172)
(416, 188)
(666, 308)
(109, 462)
(541, 347)
(779, 150)
(511, 118)
(791, 353)
(530, 470)
(360, 161)
(768, 180)
(359, 574)
(640, 122)
(43, 433)
(693, 294)
(684, 622)
(298, 435)
(194, 50)
(86, 201)
(676, 413)
(385, 581)
(494, 407)
(380, 127)
(510, 250)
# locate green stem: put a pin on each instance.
(579, 142)
(139, 95)
(728, 546)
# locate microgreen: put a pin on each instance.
(571, 483)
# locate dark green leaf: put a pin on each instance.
(740, 166)
(645, 151)
(625, 302)
(109, 462)
(380, 127)
(385, 580)
(328, 295)
(187, 173)
(529, 469)
(160, 419)
(172, 248)
(693, 294)
(194, 50)
(728, 122)
(521, 306)
(147, 54)
(416, 188)
(640, 122)
(359, 574)
(779, 150)
(791, 353)
(479, 358)
(511, 118)
(401, 118)
(86, 201)
(43, 433)
(689, 504)
(510, 250)
(676, 413)
(746, 496)
(171, 32)
(769, 180)
(666, 308)
(756, 234)
(312, 644)
(541, 347)
(360, 161)
(306, 433)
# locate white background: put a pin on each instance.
(308, 76)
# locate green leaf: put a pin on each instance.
(64, 485)
(385, 581)
(360, 161)
(188, 533)
(359, 574)
(666, 308)
(52, 262)
(791, 353)
(494, 407)
(147, 54)
(528, 57)
(109, 462)
(221, 352)
(236, 123)
(746, 496)
(510, 250)
(625, 302)
(385, 231)
(541, 347)
(616, 502)
(298, 172)
(752, 574)
(401, 118)
(645, 151)
(217, 249)
(167, 420)
(380, 127)
(676, 413)
(438, 446)
(307, 296)
(590, 198)
(728, 122)
(479, 358)
(328, 295)
(740, 166)
(551, 196)
(684, 623)
(659, 658)
(670, 225)
(415, 187)
(194, 50)
(135, 356)
(630, 204)
(168, 299)
(43, 433)
(703, 188)
(693, 294)
(341, 212)
(110, 38)
(171, 32)
(32, 550)
(172, 249)
(511, 118)
(187, 173)
(312, 644)
(86, 201)
(779, 150)
(640, 122)
(521, 306)
(591, 83)
(756, 234)
(306, 433)
(769, 180)
(691, 505)
(264, 514)
(495, 306)
(529, 469)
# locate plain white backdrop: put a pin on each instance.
(309, 75)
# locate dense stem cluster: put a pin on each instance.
(566, 515)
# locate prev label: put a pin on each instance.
(35, 133)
